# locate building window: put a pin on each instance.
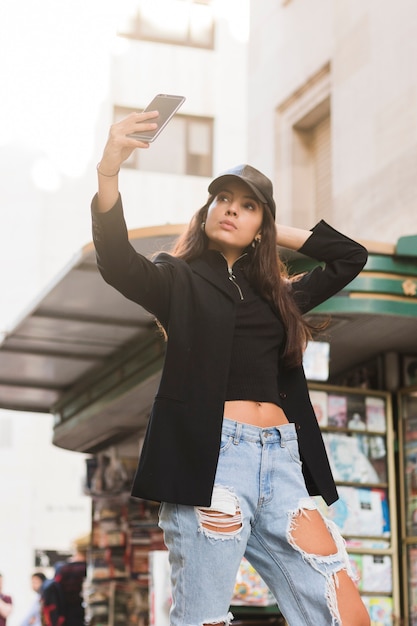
(179, 22)
(304, 154)
(312, 164)
(185, 146)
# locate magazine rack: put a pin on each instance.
(408, 481)
(357, 430)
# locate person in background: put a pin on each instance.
(6, 604)
(62, 601)
(233, 450)
(33, 618)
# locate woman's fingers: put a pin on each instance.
(145, 115)
(121, 144)
(140, 122)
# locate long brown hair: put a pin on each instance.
(265, 271)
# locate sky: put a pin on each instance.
(53, 53)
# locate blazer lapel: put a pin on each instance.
(203, 268)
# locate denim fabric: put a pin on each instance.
(259, 489)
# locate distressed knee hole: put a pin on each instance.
(321, 545)
(223, 519)
(309, 532)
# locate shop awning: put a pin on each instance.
(93, 358)
(72, 330)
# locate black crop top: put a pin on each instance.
(258, 338)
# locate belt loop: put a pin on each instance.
(281, 438)
(238, 433)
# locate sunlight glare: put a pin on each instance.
(54, 68)
(45, 176)
(236, 13)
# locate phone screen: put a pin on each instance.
(167, 105)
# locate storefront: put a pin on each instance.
(93, 359)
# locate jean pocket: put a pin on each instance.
(225, 443)
(293, 450)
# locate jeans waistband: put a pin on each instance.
(249, 432)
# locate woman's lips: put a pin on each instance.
(228, 225)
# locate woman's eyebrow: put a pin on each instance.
(246, 195)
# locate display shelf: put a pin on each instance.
(124, 533)
(407, 410)
(357, 431)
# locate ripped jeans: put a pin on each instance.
(258, 499)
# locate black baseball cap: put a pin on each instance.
(258, 182)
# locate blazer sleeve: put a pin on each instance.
(132, 274)
(342, 259)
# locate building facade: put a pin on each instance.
(332, 111)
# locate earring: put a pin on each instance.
(256, 241)
(203, 226)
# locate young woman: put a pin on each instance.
(233, 450)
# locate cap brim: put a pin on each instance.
(219, 182)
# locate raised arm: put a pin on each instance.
(291, 237)
(118, 148)
(341, 259)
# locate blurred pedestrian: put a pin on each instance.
(62, 601)
(33, 617)
(6, 604)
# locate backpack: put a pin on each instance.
(52, 604)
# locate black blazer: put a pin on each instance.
(179, 457)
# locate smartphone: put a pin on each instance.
(167, 105)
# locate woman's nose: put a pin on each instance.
(231, 209)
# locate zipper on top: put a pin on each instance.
(232, 278)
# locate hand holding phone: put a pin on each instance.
(166, 105)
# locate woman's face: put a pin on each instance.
(233, 220)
